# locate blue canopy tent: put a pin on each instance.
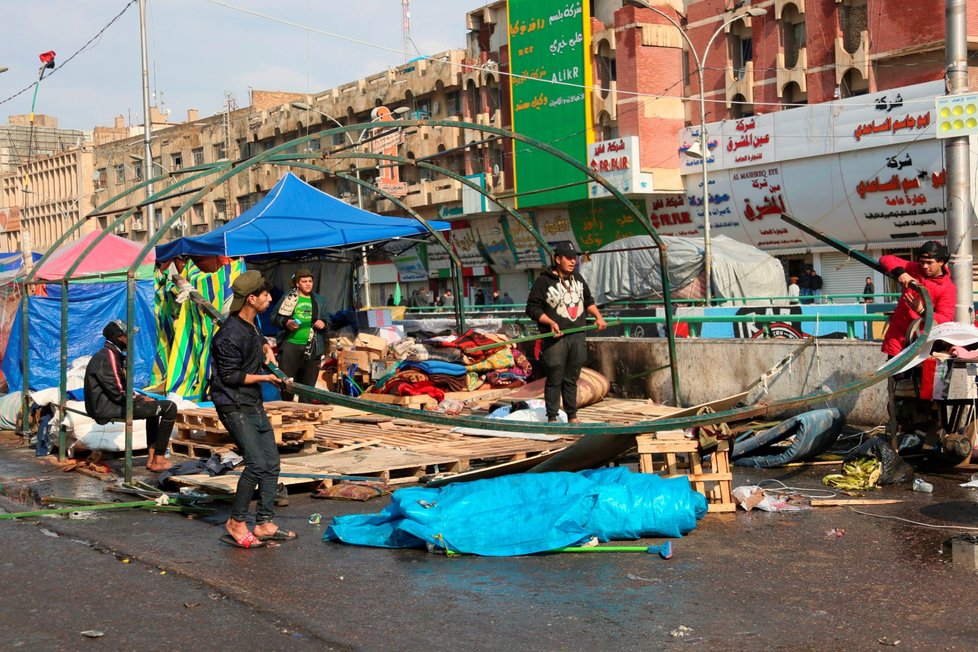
(295, 218)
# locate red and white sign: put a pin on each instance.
(617, 160)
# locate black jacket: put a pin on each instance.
(105, 384)
(566, 304)
(236, 351)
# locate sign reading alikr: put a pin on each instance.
(548, 49)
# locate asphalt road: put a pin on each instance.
(776, 581)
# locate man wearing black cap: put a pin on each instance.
(560, 300)
(302, 317)
(105, 395)
(239, 353)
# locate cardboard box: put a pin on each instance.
(374, 318)
(377, 346)
(346, 358)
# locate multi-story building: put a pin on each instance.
(616, 85)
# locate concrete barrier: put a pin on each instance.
(713, 368)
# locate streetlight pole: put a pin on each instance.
(147, 122)
(305, 106)
(704, 153)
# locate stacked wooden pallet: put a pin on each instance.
(199, 431)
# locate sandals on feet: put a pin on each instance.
(279, 535)
(248, 541)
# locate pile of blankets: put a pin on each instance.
(441, 365)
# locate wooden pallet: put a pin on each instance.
(194, 448)
(683, 457)
(291, 423)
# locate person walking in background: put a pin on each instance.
(506, 300)
(793, 291)
(815, 283)
(480, 298)
(868, 291)
(302, 317)
(559, 300)
(805, 286)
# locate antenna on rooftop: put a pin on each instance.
(406, 27)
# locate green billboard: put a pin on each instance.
(550, 94)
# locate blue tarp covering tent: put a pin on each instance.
(90, 307)
(295, 218)
(13, 262)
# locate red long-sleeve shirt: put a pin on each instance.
(942, 295)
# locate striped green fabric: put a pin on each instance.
(188, 351)
(167, 311)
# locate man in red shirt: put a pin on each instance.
(931, 273)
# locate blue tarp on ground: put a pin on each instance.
(295, 218)
(90, 307)
(528, 513)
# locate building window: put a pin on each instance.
(792, 35)
(742, 51)
(220, 210)
(852, 23)
(176, 161)
(607, 68)
(101, 178)
(740, 108)
(198, 156)
(138, 170)
(792, 96)
(453, 103)
(120, 173)
(220, 151)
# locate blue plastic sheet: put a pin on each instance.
(528, 513)
(90, 307)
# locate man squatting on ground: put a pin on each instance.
(559, 300)
(302, 317)
(105, 396)
(238, 355)
(930, 272)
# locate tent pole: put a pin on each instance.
(25, 403)
(459, 297)
(63, 378)
(130, 366)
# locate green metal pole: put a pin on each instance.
(63, 377)
(130, 365)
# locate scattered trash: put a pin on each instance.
(50, 533)
(886, 641)
(971, 484)
(835, 533)
(315, 519)
(858, 473)
(191, 605)
(751, 496)
(125, 560)
(681, 631)
(922, 486)
(93, 633)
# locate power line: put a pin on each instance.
(76, 53)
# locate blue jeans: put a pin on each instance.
(255, 439)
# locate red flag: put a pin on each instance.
(47, 58)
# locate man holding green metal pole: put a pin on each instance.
(560, 300)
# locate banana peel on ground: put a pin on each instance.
(860, 474)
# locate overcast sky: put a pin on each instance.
(199, 49)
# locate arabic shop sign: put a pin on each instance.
(618, 161)
(867, 173)
(549, 42)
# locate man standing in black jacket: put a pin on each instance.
(105, 396)
(559, 300)
(238, 354)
